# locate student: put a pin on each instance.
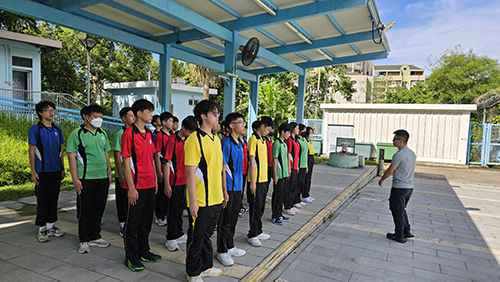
(293, 156)
(310, 164)
(127, 116)
(161, 142)
(175, 183)
(232, 181)
(281, 171)
(257, 170)
(269, 145)
(88, 158)
(303, 168)
(141, 185)
(47, 169)
(175, 125)
(243, 139)
(206, 197)
(157, 124)
(216, 129)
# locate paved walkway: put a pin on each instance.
(22, 258)
(455, 217)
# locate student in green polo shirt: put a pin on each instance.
(127, 116)
(88, 148)
(281, 171)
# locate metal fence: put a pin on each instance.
(61, 100)
(316, 124)
(484, 144)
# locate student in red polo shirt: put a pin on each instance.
(161, 142)
(175, 183)
(293, 155)
(137, 149)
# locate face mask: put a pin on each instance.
(97, 122)
(271, 134)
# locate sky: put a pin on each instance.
(428, 28)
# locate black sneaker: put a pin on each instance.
(393, 236)
(134, 264)
(277, 221)
(409, 235)
(150, 257)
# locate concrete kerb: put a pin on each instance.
(264, 268)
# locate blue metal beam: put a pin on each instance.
(324, 63)
(230, 84)
(302, 56)
(336, 24)
(244, 75)
(282, 16)
(272, 37)
(253, 104)
(227, 8)
(188, 17)
(73, 5)
(328, 53)
(301, 30)
(194, 59)
(140, 15)
(301, 93)
(41, 12)
(192, 51)
(355, 49)
(165, 89)
(211, 44)
(323, 43)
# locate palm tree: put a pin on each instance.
(201, 76)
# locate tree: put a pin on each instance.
(16, 23)
(199, 76)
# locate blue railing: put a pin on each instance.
(26, 109)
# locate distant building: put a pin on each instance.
(184, 97)
(399, 75)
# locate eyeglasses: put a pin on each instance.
(216, 114)
(50, 111)
(395, 139)
(240, 122)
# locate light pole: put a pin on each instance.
(88, 44)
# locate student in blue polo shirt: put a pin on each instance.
(47, 169)
(232, 181)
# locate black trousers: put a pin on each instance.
(243, 190)
(47, 197)
(161, 202)
(291, 190)
(397, 204)
(269, 176)
(306, 187)
(121, 201)
(257, 204)
(138, 224)
(199, 252)
(174, 214)
(277, 201)
(300, 184)
(92, 204)
(227, 223)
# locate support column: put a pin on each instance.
(229, 66)
(253, 103)
(300, 98)
(165, 90)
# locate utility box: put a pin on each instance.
(334, 131)
(317, 144)
(389, 150)
(364, 148)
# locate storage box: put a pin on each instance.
(389, 150)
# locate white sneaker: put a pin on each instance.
(306, 200)
(225, 259)
(235, 252)
(84, 248)
(254, 242)
(172, 245)
(290, 212)
(194, 278)
(263, 236)
(185, 213)
(99, 243)
(303, 204)
(211, 272)
(268, 198)
(311, 198)
(297, 206)
(182, 240)
(296, 210)
(161, 222)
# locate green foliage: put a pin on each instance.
(16, 23)
(13, 168)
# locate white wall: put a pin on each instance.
(438, 133)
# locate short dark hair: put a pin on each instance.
(190, 123)
(42, 105)
(232, 117)
(402, 135)
(141, 105)
(305, 133)
(284, 127)
(202, 108)
(267, 121)
(293, 124)
(256, 124)
(166, 116)
(155, 117)
(309, 129)
(301, 127)
(176, 119)
(89, 110)
(124, 111)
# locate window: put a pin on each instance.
(193, 102)
(22, 62)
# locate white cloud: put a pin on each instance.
(442, 25)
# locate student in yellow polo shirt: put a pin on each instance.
(206, 197)
(257, 176)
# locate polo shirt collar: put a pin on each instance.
(86, 130)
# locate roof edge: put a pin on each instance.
(35, 40)
(432, 107)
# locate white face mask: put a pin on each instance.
(97, 122)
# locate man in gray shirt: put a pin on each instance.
(403, 168)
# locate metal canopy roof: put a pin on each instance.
(294, 34)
